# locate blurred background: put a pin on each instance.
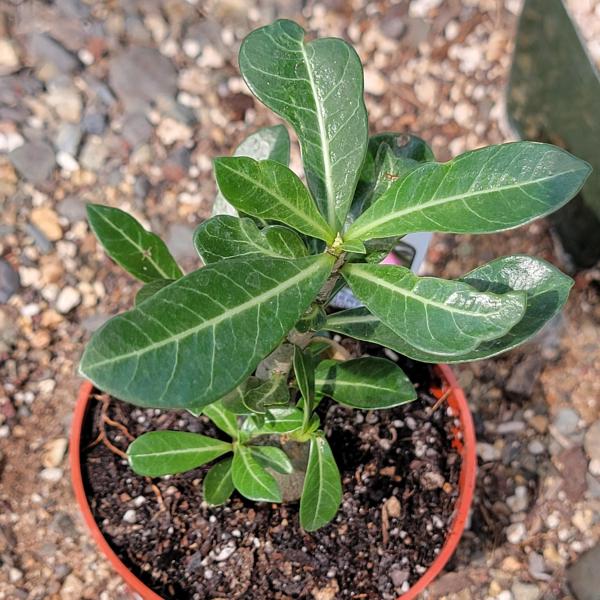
(125, 102)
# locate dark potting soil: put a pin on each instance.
(400, 481)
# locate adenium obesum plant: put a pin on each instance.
(247, 339)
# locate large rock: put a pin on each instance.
(142, 76)
(584, 575)
(46, 50)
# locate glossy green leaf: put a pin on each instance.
(322, 491)
(139, 252)
(281, 420)
(217, 485)
(546, 288)
(318, 88)
(354, 246)
(150, 288)
(304, 370)
(366, 383)
(159, 453)
(433, 314)
(234, 400)
(224, 419)
(251, 479)
(269, 190)
(198, 338)
(486, 190)
(268, 143)
(313, 319)
(273, 392)
(390, 156)
(271, 457)
(224, 237)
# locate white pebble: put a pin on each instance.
(51, 474)
(130, 516)
(515, 533)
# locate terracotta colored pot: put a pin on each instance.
(465, 444)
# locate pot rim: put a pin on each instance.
(466, 484)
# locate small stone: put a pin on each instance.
(426, 91)
(591, 441)
(399, 576)
(67, 162)
(583, 520)
(46, 50)
(46, 220)
(52, 474)
(329, 592)
(566, 421)
(525, 591)
(464, 115)
(130, 516)
(509, 427)
(9, 59)
(505, 595)
(72, 208)
(511, 564)
(68, 138)
(72, 588)
(375, 82)
(14, 575)
(393, 25)
(141, 76)
(34, 161)
(137, 130)
(54, 452)
(594, 467)
(66, 103)
(170, 131)
(432, 480)
(539, 423)
(9, 281)
(524, 376)
(515, 533)
(225, 553)
(537, 567)
(393, 508)
(94, 123)
(520, 500)
(63, 524)
(93, 154)
(488, 452)
(536, 447)
(68, 299)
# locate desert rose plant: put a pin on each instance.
(247, 339)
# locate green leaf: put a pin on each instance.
(139, 252)
(224, 419)
(234, 400)
(546, 288)
(366, 383)
(269, 190)
(322, 491)
(304, 369)
(273, 392)
(354, 246)
(432, 314)
(251, 479)
(271, 457)
(486, 190)
(198, 338)
(389, 157)
(318, 88)
(150, 288)
(217, 486)
(159, 453)
(281, 420)
(224, 237)
(268, 143)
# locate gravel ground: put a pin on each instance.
(125, 103)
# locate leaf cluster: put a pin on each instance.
(247, 340)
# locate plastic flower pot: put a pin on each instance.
(464, 441)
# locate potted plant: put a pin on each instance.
(294, 463)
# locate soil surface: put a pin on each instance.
(400, 477)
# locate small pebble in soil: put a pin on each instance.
(515, 533)
(130, 516)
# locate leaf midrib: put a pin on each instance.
(421, 299)
(353, 385)
(327, 175)
(254, 301)
(357, 232)
(224, 446)
(327, 234)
